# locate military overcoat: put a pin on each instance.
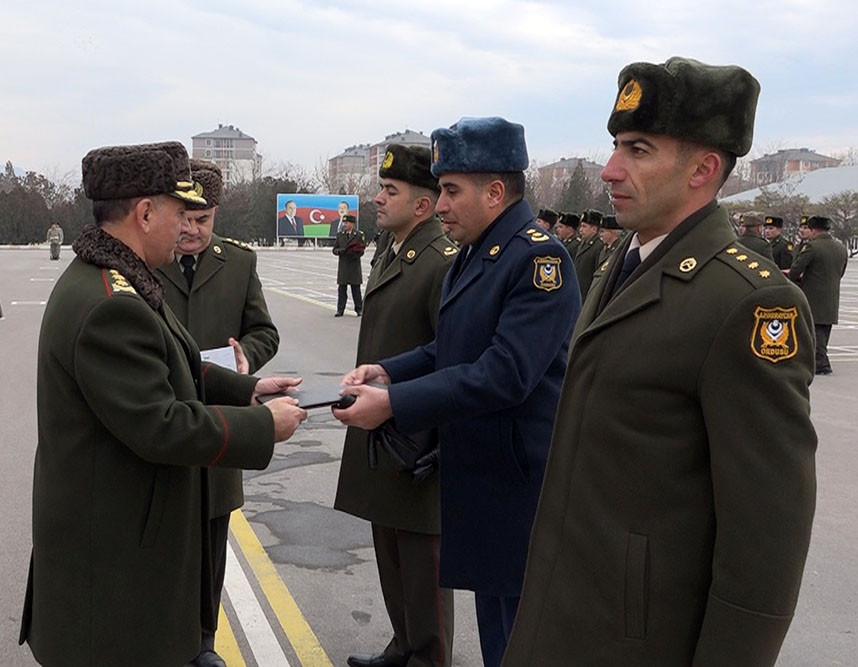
(490, 382)
(818, 268)
(679, 492)
(400, 312)
(226, 300)
(586, 262)
(349, 270)
(782, 252)
(756, 243)
(118, 505)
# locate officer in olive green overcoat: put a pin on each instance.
(401, 312)
(672, 529)
(818, 269)
(782, 250)
(117, 575)
(566, 230)
(750, 235)
(214, 291)
(586, 260)
(349, 247)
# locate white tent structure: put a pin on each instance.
(815, 185)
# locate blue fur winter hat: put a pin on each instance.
(479, 145)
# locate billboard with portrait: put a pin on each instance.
(302, 214)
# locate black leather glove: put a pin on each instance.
(426, 465)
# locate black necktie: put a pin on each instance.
(631, 262)
(389, 256)
(187, 262)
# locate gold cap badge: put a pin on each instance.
(629, 98)
(388, 161)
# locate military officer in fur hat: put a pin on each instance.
(587, 257)
(566, 230)
(128, 425)
(490, 379)
(401, 312)
(546, 219)
(610, 235)
(818, 269)
(213, 289)
(672, 530)
(750, 234)
(782, 250)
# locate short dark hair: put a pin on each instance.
(110, 210)
(513, 182)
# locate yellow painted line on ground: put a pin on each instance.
(298, 631)
(225, 643)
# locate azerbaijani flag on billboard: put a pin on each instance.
(302, 214)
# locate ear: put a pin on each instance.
(707, 170)
(495, 192)
(423, 206)
(143, 210)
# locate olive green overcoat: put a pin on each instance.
(348, 265)
(586, 262)
(818, 269)
(782, 252)
(676, 510)
(400, 313)
(225, 300)
(756, 243)
(118, 505)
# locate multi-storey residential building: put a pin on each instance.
(360, 163)
(232, 150)
(561, 171)
(786, 162)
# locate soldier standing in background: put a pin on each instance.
(55, 238)
(782, 250)
(214, 291)
(750, 234)
(818, 269)
(349, 248)
(587, 257)
(566, 231)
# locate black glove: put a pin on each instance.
(426, 465)
(405, 454)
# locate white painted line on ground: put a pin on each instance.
(264, 645)
(28, 303)
(49, 268)
(42, 280)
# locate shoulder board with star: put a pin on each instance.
(237, 244)
(118, 283)
(756, 270)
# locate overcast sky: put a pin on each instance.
(307, 79)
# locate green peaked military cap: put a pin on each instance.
(411, 164)
(683, 98)
(208, 175)
(140, 170)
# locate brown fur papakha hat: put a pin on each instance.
(140, 170)
(686, 99)
(209, 175)
(410, 164)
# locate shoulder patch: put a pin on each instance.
(773, 337)
(237, 244)
(119, 283)
(546, 273)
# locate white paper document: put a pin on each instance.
(222, 356)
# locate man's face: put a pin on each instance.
(587, 230)
(742, 228)
(348, 226)
(290, 209)
(608, 236)
(564, 232)
(804, 232)
(342, 209)
(772, 232)
(199, 232)
(463, 207)
(647, 182)
(167, 221)
(543, 223)
(395, 204)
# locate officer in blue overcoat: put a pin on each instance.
(490, 380)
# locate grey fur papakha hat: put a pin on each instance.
(140, 170)
(479, 146)
(683, 98)
(411, 164)
(209, 175)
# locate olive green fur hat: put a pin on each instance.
(141, 170)
(410, 164)
(683, 98)
(209, 175)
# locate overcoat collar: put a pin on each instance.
(415, 243)
(488, 249)
(699, 238)
(210, 261)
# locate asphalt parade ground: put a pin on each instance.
(301, 585)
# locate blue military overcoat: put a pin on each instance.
(491, 381)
